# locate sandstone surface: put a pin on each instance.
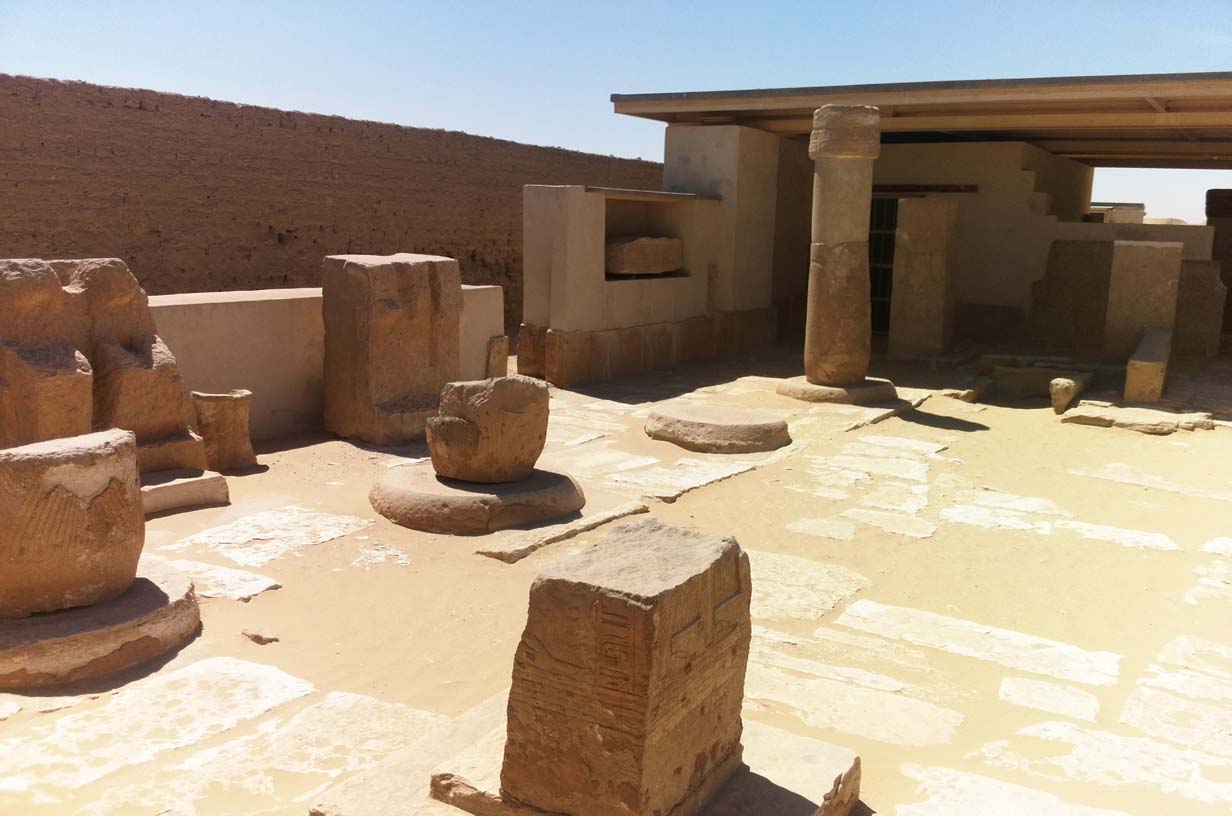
(643, 256)
(157, 613)
(71, 524)
(629, 678)
(222, 420)
(391, 342)
(865, 392)
(415, 497)
(489, 430)
(78, 350)
(716, 429)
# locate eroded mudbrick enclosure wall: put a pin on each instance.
(199, 196)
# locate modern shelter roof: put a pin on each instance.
(1138, 120)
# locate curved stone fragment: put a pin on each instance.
(416, 497)
(71, 523)
(156, 614)
(717, 429)
(489, 430)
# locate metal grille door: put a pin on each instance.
(881, 261)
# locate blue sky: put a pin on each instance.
(541, 72)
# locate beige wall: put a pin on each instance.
(272, 342)
(740, 165)
(1027, 198)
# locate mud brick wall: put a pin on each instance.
(201, 196)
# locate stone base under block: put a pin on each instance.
(867, 392)
(165, 490)
(155, 615)
(786, 775)
(414, 496)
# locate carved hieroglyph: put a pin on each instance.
(628, 681)
(489, 430)
(78, 351)
(391, 342)
(71, 524)
(845, 142)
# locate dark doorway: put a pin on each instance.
(882, 223)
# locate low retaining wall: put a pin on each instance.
(567, 358)
(272, 342)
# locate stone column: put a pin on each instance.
(838, 326)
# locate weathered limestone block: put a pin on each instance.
(139, 388)
(1143, 420)
(78, 351)
(71, 524)
(1064, 390)
(489, 430)
(44, 382)
(110, 300)
(922, 310)
(1142, 292)
(1069, 304)
(222, 420)
(1148, 368)
(391, 342)
(37, 310)
(1200, 304)
(44, 393)
(497, 364)
(837, 346)
(628, 681)
(717, 429)
(156, 614)
(416, 497)
(643, 256)
(532, 344)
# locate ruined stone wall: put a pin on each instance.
(198, 195)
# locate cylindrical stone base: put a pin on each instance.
(222, 420)
(837, 338)
(71, 524)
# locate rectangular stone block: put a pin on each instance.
(45, 393)
(1142, 291)
(138, 387)
(1199, 309)
(1148, 368)
(532, 343)
(629, 678)
(922, 309)
(391, 342)
(643, 256)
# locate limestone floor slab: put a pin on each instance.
(257, 539)
(138, 723)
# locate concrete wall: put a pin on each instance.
(566, 287)
(272, 342)
(741, 166)
(199, 196)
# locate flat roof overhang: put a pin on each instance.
(1140, 120)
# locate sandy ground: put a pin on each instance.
(1000, 613)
